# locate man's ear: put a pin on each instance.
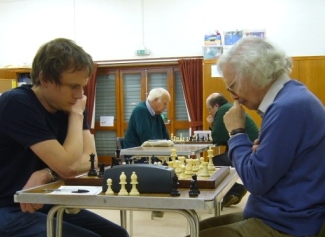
(42, 79)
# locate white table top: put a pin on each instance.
(181, 149)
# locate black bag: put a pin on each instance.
(222, 160)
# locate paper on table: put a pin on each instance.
(157, 143)
(75, 190)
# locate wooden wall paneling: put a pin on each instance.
(295, 69)
(312, 74)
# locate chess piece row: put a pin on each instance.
(186, 167)
(123, 192)
(193, 138)
(194, 189)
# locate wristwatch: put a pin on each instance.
(52, 174)
(236, 131)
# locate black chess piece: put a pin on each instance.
(194, 190)
(92, 171)
(117, 152)
(101, 170)
(194, 177)
(115, 161)
(153, 159)
(175, 192)
(208, 137)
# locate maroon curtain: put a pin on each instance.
(90, 93)
(191, 76)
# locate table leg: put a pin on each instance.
(123, 218)
(59, 219)
(193, 220)
(49, 221)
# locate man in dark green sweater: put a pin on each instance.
(218, 105)
(146, 122)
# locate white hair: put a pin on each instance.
(157, 93)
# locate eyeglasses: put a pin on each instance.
(229, 89)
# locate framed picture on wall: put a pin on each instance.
(232, 36)
(258, 33)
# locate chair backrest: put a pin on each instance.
(119, 145)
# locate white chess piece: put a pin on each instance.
(205, 171)
(211, 166)
(182, 160)
(178, 167)
(173, 156)
(188, 168)
(201, 161)
(123, 191)
(134, 182)
(195, 166)
(109, 190)
(183, 175)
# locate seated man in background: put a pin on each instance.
(218, 105)
(145, 121)
(44, 132)
(284, 169)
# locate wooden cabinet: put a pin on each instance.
(16, 75)
(9, 78)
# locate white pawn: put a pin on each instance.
(211, 166)
(188, 167)
(134, 182)
(201, 162)
(182, 175)
(205, 171)
(123, 191)
(109, 190)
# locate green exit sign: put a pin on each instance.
(141, 52)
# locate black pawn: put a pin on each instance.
(175, 192)
(194, 190)
(101, 170)
(92, 171)
(194, 177)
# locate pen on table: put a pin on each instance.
(73, 191)
(80, 191)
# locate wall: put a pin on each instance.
(115, 29)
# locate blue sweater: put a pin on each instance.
(143, 127)
(286, 174)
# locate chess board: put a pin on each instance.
(203, 182)
(206, 182)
